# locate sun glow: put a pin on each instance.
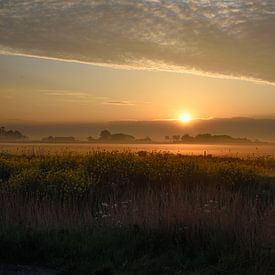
(185, 118)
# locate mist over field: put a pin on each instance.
(263, 129)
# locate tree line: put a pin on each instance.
(205, 138)
(10, 134)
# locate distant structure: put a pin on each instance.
(52, 139)
(11, 135)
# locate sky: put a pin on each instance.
(80, 61)
(40, 90)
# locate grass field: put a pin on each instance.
(222, 150)
(138, 213)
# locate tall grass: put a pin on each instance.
(209, 213)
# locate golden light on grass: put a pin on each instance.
(185, 118)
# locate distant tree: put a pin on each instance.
(167, 138)
(121, 137)
(90, 138)
(148, 139)
(17, 134)
(10, 134)
(187, 138)
(48, 139)
(105, 134)
(2, 131)
(59, 139)
(204, 136)
(176, 138)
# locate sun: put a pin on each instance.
(185, 118)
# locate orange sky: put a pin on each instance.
(87, 61)
(42, 90)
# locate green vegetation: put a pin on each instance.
(143, 213)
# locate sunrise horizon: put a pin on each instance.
(137, 137)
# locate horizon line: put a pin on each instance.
(18, 121)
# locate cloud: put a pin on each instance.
(68, 94)
(119, 103)
(229, 38)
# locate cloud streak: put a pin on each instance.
(230, 38)
(65, 93)
(119, 103)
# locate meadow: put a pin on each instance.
(138, 213)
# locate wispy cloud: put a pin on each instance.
(119, 103)
(231, 38)
(67, 94)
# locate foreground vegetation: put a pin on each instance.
(143, 213)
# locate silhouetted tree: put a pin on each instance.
(187, 138)
(10, 134)
(2, 131)
(176, 138)
(105, 134)
(90, 138)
